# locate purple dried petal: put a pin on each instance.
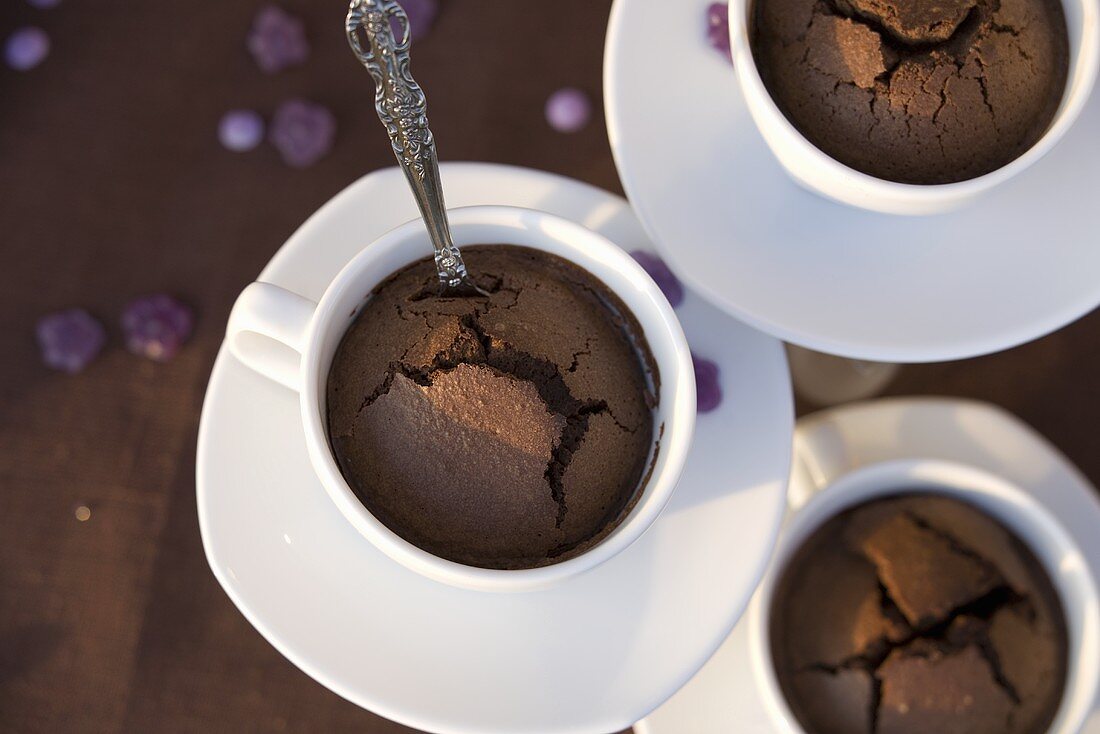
(26, 48)
(277, 39)
(421, 14)
(156, 326)
(241, 130)
(568, 110)
(718, 28)
(302, 131)
(69, 340)
(44, 4)
(665, 279)
(708, 393)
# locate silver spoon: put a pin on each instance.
(402, 107)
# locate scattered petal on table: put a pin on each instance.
(241, 130)
(44, 4)
(568, 110)
(718, 29)
(665, 279)
(421, 15)
(302, 131)
(708, 393)
(26, 48)
(70, 340)
(277, 39)
(156, 326)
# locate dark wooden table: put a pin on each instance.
(112, 184)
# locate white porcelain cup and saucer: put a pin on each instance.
(592, 647)
(1060, 556)
(715, 171)
(969, 450)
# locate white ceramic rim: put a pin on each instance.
(609, 263)
(839, 182)
(1009, 503)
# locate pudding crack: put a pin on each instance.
(946, 636)
(956, 545)
(474, 346)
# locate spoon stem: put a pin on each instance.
(402, 108)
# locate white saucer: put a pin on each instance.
(591, 655)
(724, 698)
(1019, 264)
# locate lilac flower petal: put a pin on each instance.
(665, 279)
(26, 48)
(70, 340)
(302, 131)
(44, 4)
(708, 393)
(156, 326)
(241, 130)
(718, 28)
(568, 110)
(421, 14)
(277, 39)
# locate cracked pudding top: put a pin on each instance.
(918, 613)
(512, 431)
(915, 91)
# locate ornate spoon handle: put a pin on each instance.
(402, 107)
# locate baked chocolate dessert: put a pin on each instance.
(918, 613)
(915, 91)
(509, 431)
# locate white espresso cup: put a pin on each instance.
(817, 171)
(292, 339)
(1016, 509)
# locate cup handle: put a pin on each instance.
(807, 476)
(267, 331)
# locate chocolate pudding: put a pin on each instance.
(915, 91)
(510, 431)
(918, 613)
